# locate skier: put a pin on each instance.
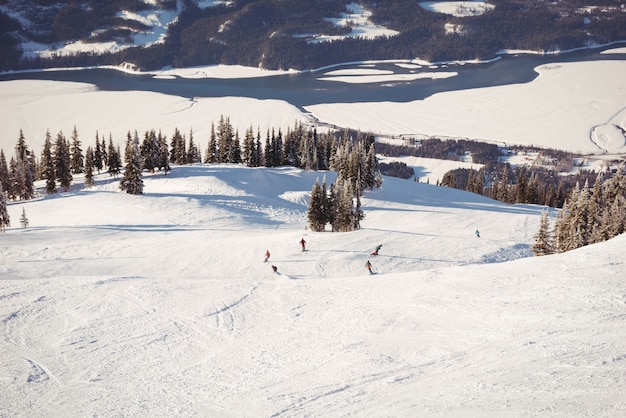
(303, 244)
(477, 233)
(267, 256)
(368, 266)
(275, 269)
(378, 247)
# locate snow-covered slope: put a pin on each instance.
(160, 305)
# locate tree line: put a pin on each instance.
(589, 215)
(349, 153)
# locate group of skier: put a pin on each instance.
(368, 265)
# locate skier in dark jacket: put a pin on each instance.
(368, 266)
(378, 247)
(303, 244)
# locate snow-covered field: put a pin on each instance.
(160, 305)
(564, 108)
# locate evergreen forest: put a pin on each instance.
(278, 34)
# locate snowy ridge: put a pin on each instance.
(160, 305)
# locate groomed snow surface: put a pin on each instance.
(159, 305)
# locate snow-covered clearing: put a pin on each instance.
(358, 19)
(160, 305)
(458, 8)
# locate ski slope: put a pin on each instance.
(160, 305)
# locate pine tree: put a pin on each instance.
(211, 154)
(164, 154)
(596, 204)
(372, 168)
(29, 166)
(316, 215)
(235, 154)
(5, 220)
(89, 166)
(24, 219)
(357, 213)
(15, 180)
(343, 220)
(62, 165)
(76, 154)
(105, 154)
(330, 207)
(114, 161)
(179, 152)
(617, 217)
(224, 140)
(543, 239)
(193, 154)
(269, 159)
(97, 156)
(561, 231)
(150, 151)
(48, 167)
(4, 171)
(259, 156)
(247, 156)
(132, 182)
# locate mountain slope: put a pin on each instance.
(160, 305)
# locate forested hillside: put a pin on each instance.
(285, 34)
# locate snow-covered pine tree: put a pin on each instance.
(316, 215)
(344, 208)
(62, 163)
(132, 182)
(150, 151)
(224, 139)
(579, 216)
(193, 154)
(617, 217)
(331, 205)
(357, 213)
(114, 161)
(211, 156)
(596, 204)
(269, 155)
(560, 234)
(248, 148)
(235, 153)
(23, 219)
(89, 167)
(47, 165)
(77, 157)
(372, 168)
(27, 166)
(5, 220)
(105, 154)
(164, 154)
(259, 158)
(4, 171)
(543, 238)
(97, 155)
(179, 151)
